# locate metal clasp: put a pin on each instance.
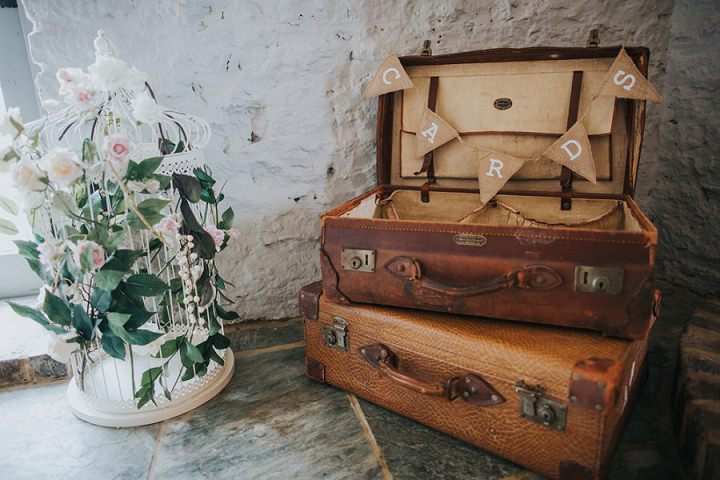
(539, 409)
(593, 39)
(426, 50)
(358, 260)
(336, 335)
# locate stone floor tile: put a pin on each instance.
(414, 451)
(41, 439)
(270, 422)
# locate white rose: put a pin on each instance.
(9, 122)
(108, 73)
(33, 200)
(150, 186)
(52, 251)
(76, 88)
(135, 80)
(26, 176)
(74, 293)
(62, 166)
(145, 109)
(51, 105)
(6, 146)
(61, 347)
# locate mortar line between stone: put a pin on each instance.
(274, 348)
(367, 431)
(156, 447)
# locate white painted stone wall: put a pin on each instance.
(281, 81)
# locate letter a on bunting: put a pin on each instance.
(494, 170)
(573, 151)
(624, 80)
(432, 132)
(391, 76)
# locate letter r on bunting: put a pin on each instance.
(496, 167)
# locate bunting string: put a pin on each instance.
(572, 149)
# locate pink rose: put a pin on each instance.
(167, 226)
(217, 235)
(97, 253)
(116, 148)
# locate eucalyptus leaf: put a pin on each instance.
(83, 323)
(101, 299)
(113, 345)
(7, 227)
(35, 315)
(56, 309)
(8, 205)
(146, 285)
(188, 187)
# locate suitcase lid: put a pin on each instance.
(516, 101)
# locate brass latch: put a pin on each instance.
(539, 409)
(599, 279)
(358, 260)
(594, 38)
(426, 50)
(336, 335)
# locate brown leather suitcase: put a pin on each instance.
(549, 248)
(553, 400)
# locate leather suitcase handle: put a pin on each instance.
(469, 387)
(539, 277)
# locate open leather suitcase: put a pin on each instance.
(549, 248)
(553, 400)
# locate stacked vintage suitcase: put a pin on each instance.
(544, 359)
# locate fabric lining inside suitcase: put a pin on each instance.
(504, 210)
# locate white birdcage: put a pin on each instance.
(103, 387)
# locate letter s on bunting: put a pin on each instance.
(624, 80)
(433, 131)
(391, 76)
(494, 170)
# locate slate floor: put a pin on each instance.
(271, 422)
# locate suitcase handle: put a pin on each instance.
(539, 277)
(469, 387)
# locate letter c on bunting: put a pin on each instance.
(385, 75)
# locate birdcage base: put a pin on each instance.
(105, 414)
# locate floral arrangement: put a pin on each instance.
(126, 253)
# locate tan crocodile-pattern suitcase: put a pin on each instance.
(553, 400)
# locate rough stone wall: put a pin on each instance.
(681, 187)
(281, 82)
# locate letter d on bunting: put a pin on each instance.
(391, 76)
(494, 170)
(573, 151)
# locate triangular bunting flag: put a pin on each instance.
(494, 170)
(391, 76)
(573, 151)
(433, 131)
(624, 80)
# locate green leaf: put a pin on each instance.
(224, 314)
(89, 151)
(83, 323)
(107, 279)
(169, 348)
(146, 285)
(151, 209)
(118, 323)
(204, 243)
(205, 288)
(227, 219)
(150, 375)
(101, 299)
(208, 196)
(114, 239)
(124, 259)
(138, 318)
(215, 357)
(35, 315)
(220, 341)
(192, 352)
(206, 180)
(188, 187)
(56, 309)
(145, 169)
(7, 227)
(86, 260)
(113, 345)
(27, 249)
(8, 205)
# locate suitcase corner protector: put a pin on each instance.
(314, 369)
